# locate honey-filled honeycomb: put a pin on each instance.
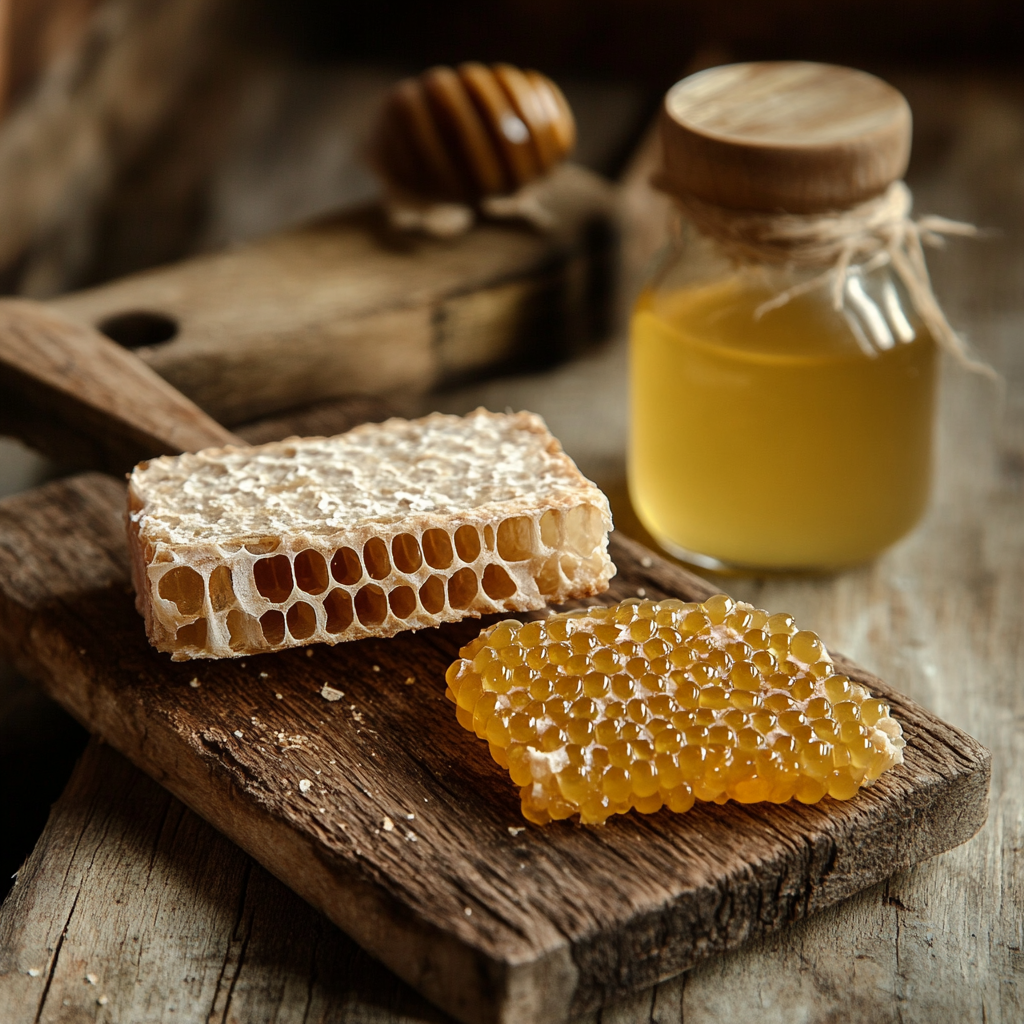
(389, 527)
(657, 704)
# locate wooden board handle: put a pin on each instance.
(75, 395)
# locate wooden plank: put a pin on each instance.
(79, 398)
(172, 921)
(490, 926)
(346, 306)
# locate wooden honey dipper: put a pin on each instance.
(470, 134)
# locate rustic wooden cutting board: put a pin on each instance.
(408, 835)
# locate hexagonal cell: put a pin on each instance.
(338, 606)
(346, 567)
(405, 550)
(273, 578)
(551, 528)
(243, 630)
(515, 539)
(437, 549)
(262, 545)
(432, 595)
(222, 594)
(375, 558)
(301, 620)
(311, 572)
(371, 605)
(402, 601)
(498, 585)
(584, 528)
(184, 586)
(272, 624)
(467, 543)
(462, 588)
(549, 579)
(193, 634)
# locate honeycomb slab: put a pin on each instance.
(388, 527)
(652, 704)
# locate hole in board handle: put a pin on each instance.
(138, 328)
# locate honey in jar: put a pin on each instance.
(779, 419)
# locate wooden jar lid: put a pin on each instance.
(783, 136)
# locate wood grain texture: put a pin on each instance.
(783, 135)
(173, 922)
(346, 306)
(490, 926)
(75, 395)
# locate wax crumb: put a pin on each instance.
(515, 831)
(410, 817)
(305, 785)
(640, 592)
(103, 1000)
(410, 680)
(194, 683)
(279, 696)
(646, 561)
(33, 972)
(330, 693)
(264, 675)
(468, 911)
(389, 825)
(237, 733)
(376, 668)
(91, 978)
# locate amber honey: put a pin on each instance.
(787, 440)
(652, 704)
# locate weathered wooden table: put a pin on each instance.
(138, 911)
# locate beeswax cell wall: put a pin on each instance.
(278, 592)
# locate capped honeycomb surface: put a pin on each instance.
(392, 526)
(648, 704)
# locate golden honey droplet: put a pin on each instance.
(806, 646)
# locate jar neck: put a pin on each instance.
(875, 309)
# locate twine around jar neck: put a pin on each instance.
(868, 236)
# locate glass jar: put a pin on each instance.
(769, 429)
